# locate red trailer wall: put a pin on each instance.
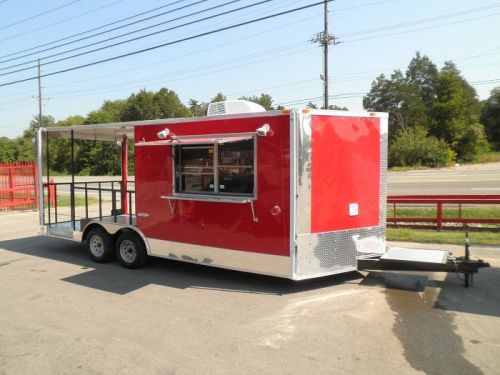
(224, 225)
(345, 169)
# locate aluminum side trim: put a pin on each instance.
(266, 264)
(303, 192)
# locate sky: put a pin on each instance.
(273, 56)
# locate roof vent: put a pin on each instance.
(233, 107)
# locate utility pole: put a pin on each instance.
(39, 96)
(325, 39)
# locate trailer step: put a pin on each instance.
(416, 255)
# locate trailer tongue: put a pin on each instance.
(404, 259)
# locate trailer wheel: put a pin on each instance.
(130, 250)
(99, 245)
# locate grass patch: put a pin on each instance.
(64, 200)
(449, 237)
(488, 157)
(408, 168)
(475, 212)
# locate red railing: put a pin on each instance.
(438, 201)
(18, 182)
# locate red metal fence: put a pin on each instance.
(18, 182)
(438, 201)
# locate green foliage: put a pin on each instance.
(264, 100)
(414, 147)
(196, 108)
(473, 143)
(441, 102)
(337, 108)
(219, 97)
(490, 118)
(103, 158)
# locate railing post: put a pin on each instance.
(113, 203)
(86, 202)
(11, 183)
(100, 201)
(395, 214)
(439, 216)
(55, 202)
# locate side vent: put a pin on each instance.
(218, 108)
(233, 107)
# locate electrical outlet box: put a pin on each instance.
(353, 209)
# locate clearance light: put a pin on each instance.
(163, 134)
(263, 130)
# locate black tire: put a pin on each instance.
(99, 245)
(130, 250)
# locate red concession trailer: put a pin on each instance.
(296, 194)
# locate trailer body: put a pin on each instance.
(295, 194)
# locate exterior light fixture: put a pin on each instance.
(163, 134)
(264, 130)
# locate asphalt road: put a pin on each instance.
(60, 313)
(480, 179)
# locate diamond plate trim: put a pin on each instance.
(416, 255)
(330, 253)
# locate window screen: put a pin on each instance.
(195, 169)
(236, 174)
(222, 169)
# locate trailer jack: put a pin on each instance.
(405, 259)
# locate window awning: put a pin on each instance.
(196, 140)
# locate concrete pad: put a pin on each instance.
(62, 313)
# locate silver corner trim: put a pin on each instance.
(293, 193)
(39, 158)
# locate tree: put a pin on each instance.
(196, 108)
(455, 111)
(490, 118)
(442, 102)
(401, 100)
(337, 108)
(219, 97)
(264, 100)
(421, 75)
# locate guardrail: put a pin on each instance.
(438, 201)
(18, 184)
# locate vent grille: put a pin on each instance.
(218, 108)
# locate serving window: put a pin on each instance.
(219, 168)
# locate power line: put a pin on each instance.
(420, 21)
(420, 29)
(101, 33)
(170, 43)
(136, 38)
(129, 24)
(176, 57)
(40, 14)
(198, 51)
(141, 82)
(93, 10)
